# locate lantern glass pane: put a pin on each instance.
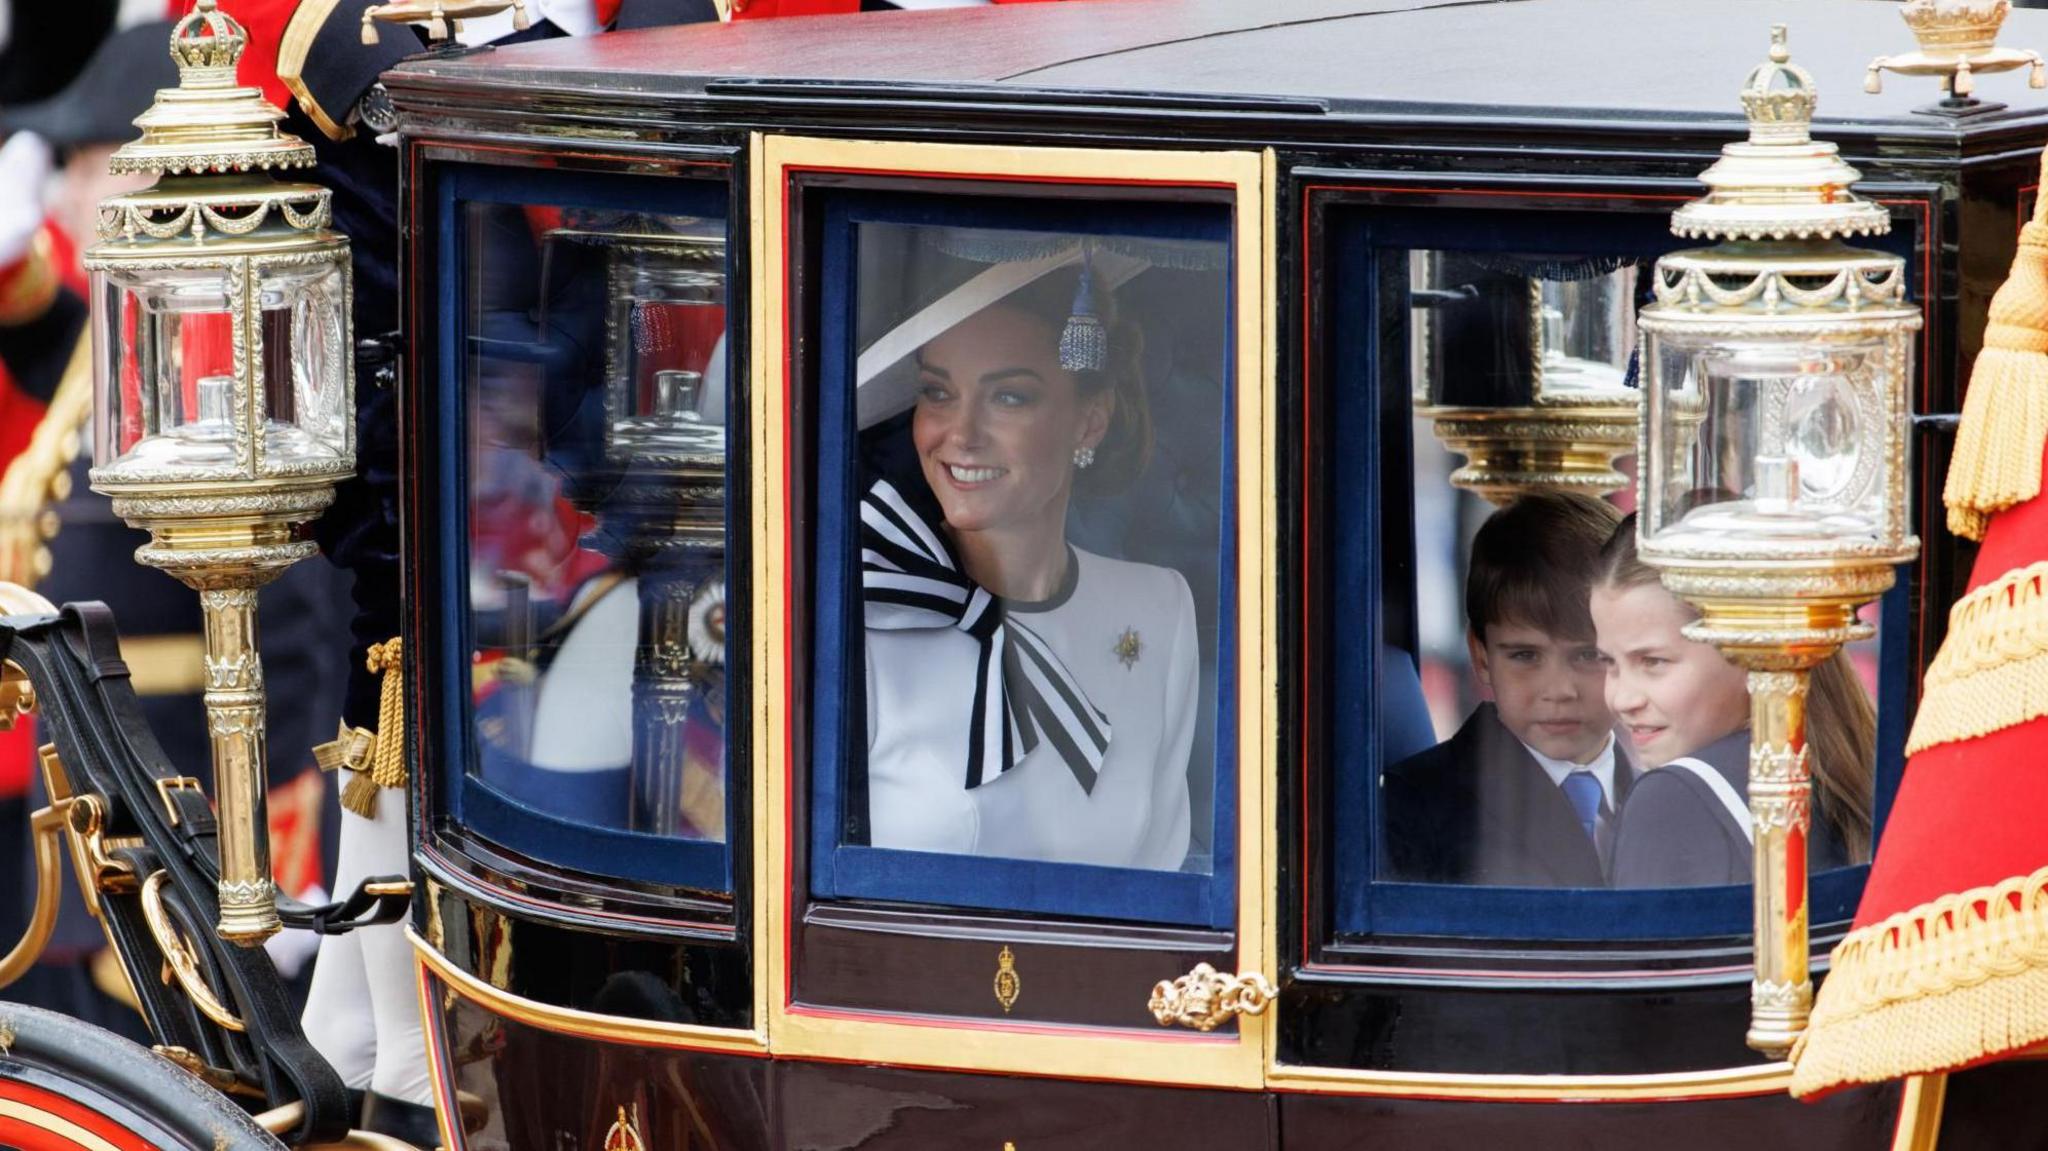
(1497, 329)
(1587, 327)
(666, 319)
(166, 372)
(305, 365)
(1790, 431)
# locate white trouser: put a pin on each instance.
(363, 1013)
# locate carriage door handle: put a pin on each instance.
(1206, 998)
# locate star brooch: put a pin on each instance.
(1128, 645)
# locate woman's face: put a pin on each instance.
(998, 421)
(1671, 695)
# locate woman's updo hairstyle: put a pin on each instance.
(1127, 447)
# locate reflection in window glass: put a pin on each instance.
(1041, 452)
(596, 369)
(1582, 741)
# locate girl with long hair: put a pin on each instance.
(1685, 710)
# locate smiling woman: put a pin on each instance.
(1033, 688)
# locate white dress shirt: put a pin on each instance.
(920, 699)
(1602, 768)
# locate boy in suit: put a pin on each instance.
(1524, 794)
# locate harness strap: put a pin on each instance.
(89, 710)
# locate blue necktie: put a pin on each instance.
(1582, 788)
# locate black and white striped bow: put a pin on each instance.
(911, 578)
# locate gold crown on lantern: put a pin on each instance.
(439, 18)
(1780, 183)
(210, 122)
(1779, 96)
(206, 45)
(1965, 26)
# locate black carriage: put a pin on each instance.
(670, 301)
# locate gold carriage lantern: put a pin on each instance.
(658, 499)
(665, 441)
(224, 415)
(666, 316)
(1772, 489)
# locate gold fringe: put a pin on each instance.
(374, 762)
(1997, 461)
(1992, 671)
(360, 795)
(387, 767)
(1946, 984)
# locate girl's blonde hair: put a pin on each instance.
(1841, 720)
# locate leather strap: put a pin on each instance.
(87, 707)
(408, 1122)
(95, 645)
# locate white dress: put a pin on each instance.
(583, 714)
(920, 699)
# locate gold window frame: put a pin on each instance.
(1166, 1056)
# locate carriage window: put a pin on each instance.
(593, 368)
(1553, 664)
(1031, 502)
(1541, 720)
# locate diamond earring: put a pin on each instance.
(1083, 457)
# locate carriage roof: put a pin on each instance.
(1310, 67)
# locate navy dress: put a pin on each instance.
(1675, 832)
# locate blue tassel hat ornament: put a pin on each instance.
(1084, 342)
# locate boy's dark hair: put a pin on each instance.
(1534, 562)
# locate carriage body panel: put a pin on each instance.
(810, 989)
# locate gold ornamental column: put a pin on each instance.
(224, 391)
(1780, 802)
(235, 725)
(1772, 481)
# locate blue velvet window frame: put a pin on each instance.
(484, 809)
(1367, 402)
(852, 871)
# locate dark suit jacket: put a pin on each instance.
(1479, 809)
(1676, 833)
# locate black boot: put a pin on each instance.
(401, 1120)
